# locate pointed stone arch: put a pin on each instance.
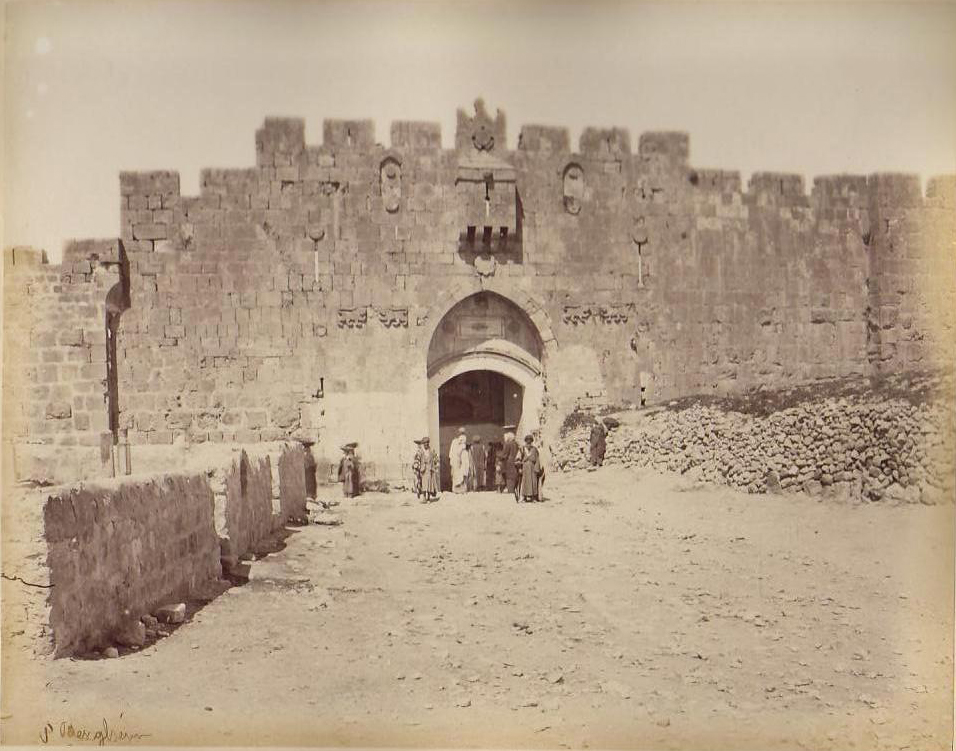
(524, 366)
(532, 305)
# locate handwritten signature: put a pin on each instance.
(100, 736)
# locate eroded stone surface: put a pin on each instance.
(296, 297)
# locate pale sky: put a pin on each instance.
(94, 88)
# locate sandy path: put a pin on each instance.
(630, 609)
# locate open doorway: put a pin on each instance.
(480, 401)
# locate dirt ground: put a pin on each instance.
(628, 610)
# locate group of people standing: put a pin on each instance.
(505, 466)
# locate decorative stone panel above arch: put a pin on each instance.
(531, 304)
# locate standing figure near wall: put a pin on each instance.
(598, 443)
(509, 456)
(417, 470)
(531, 471)
(490, 461)
(459, 461)
(478, 459)
(348, 471)
(499, 468)
(426, 468)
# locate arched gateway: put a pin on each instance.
(485, 371)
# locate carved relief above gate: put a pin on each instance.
(393, 318)
(353, 318)
(357, 318)
(576, 315)
(608, 313)
(479, 132)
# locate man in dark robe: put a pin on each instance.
(531, 471)
(509, 454)
(598, 443)
(490, 457)
(478, 459)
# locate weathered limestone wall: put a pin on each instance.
(116, 551)
(100, 556)
(55, 415)
(291, 469)
(298, 298)
(894, 444)
(258, 490)
(25, 586)
(911, 313)
(244, 508)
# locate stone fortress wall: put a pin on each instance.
(298, 298)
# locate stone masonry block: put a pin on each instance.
(892, 189)
(673, 147)
(24, 257)
(605, 143)
(356, 134)
(840, 189)
(719, 181)
(149, 231)
(149, 183)
(943, 189)
(415, 135)
(779, 185)
(280, 136)
(542, 140)
(94, 251)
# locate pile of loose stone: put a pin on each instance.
(853, 447)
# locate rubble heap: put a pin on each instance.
(847, 446)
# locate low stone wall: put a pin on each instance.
(244, 509)
(291, 470)
(850, 446)
(118, 550)
(258, 487)
(25, 587)
(87, 561)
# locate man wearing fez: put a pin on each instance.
(348, 471)
(426, 467)
(509, 454)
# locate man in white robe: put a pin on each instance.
(457, 455)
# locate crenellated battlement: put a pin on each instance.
(286, 292)
(280, 144)
(21, 257)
